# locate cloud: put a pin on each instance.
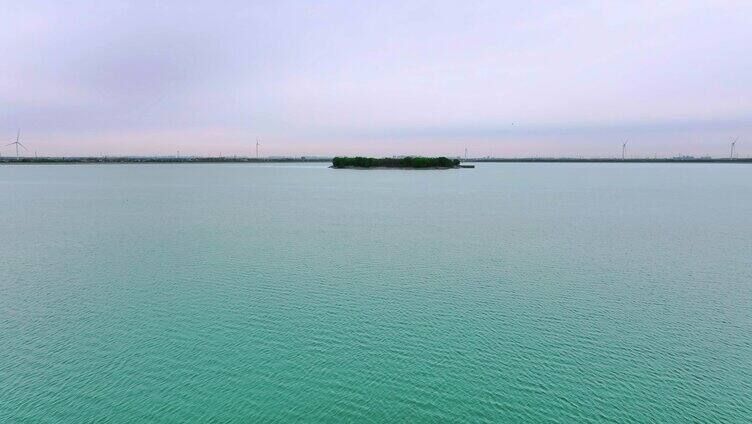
(346, 76)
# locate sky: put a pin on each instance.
(500, 78)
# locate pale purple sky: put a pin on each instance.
(377, 78)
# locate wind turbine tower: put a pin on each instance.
(18, 143)
(624, 150)
(733, 145)
(258, 143)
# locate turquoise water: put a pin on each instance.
(250, 293)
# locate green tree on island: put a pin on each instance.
(406, 162)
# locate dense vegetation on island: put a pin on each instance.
(406, 162)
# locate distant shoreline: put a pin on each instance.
(611, 160)
(162, 160)
(148, 160)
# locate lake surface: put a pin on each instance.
(278, 293)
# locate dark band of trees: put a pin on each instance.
(406, 162)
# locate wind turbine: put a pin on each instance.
(624, 149)
(733, 145)
(18, 143)
(258, 143)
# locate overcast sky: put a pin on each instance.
(378, 78)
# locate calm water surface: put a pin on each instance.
(278, 293)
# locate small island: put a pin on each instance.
(408, 162)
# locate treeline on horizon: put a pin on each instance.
(406, 162)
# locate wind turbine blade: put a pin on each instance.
(24, 147)
(10, 144)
